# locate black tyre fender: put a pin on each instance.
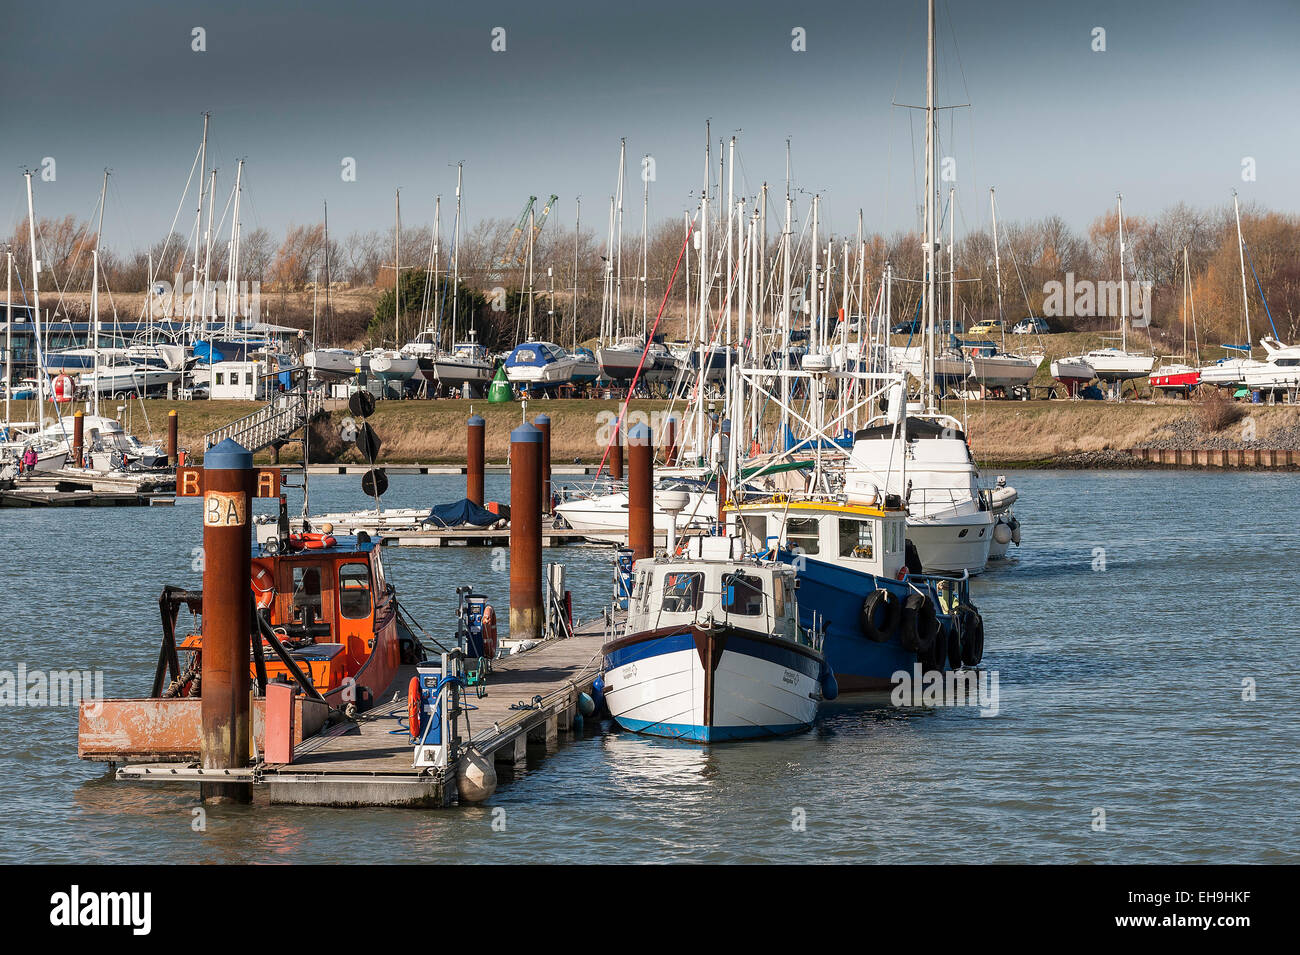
(880, 615)
(972, 644)
(920, 624)
(954, 645)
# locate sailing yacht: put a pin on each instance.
(1178, 377)
(1231, 370)
(1118, 365)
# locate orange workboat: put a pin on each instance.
(326, 620)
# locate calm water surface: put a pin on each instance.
(1120, 673)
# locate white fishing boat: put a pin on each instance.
(713, 649)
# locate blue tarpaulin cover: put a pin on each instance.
(459, 514)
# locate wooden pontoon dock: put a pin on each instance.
(368, 762)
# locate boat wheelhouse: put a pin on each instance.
(880, 616)
(326, 620)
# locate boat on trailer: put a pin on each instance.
(714, 649)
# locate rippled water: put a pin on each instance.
(1120, 690)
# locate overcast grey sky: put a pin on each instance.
(1183, 92)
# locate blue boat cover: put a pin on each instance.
(459, 514)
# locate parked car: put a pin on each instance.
(912, 327)
(987, 327)
(1033, 325)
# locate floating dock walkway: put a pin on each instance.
(368, 762)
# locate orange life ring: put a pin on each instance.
(312, 541)
(489, 632)
(414, 711)
(263, 586)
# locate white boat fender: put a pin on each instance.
(1002, 533)
(476, 776)
(880, 615)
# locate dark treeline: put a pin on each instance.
(1033, 254)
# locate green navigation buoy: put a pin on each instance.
(499, 390)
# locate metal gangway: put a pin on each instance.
(273, 423)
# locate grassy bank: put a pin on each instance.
(1002, 432)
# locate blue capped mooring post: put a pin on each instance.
(227, 554)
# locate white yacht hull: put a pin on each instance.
(954, 544)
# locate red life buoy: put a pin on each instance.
(414, 711)
(489, 632)
(263, 586)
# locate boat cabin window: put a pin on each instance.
(682, 592)
(855, 539)
(802, 532)
(306, 595)
(742, 594)
(778, 597)
(221, 378)
(354, 591)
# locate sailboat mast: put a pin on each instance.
(9, 330)
(437, 296)
(785, 302)
(36, 301)
(618, 240)
(645, 253)
(397, 270)
(94, 292)
(207, 243)
(455, 257)
(577, 236)
(1123, 288)
(1241, 255)
(931, 238)
(198, 215)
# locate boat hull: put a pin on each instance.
(953, 545)
(708, 685)
(834, 595)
